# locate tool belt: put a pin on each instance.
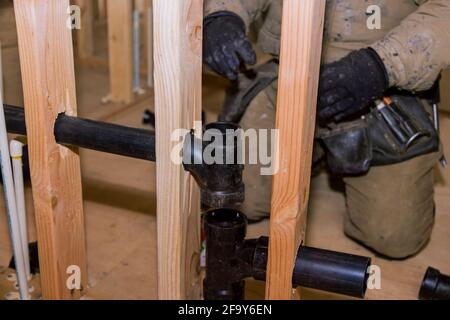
(382, 137)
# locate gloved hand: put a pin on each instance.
(349, 85)
(225, 44)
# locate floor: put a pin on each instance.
(119, 203)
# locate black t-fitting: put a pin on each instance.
(230, 259)
(215, 162)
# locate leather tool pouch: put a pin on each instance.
(348, 147)
(352, 148)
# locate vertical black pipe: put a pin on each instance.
(225, 232)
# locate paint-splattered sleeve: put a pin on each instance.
(248, 10)
(419, 49)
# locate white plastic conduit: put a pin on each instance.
(8, 186)
(16, 149)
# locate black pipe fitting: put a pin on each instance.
(215, 163)
(435, 286)
(230, 259)
(225, 232)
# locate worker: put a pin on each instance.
(390, 207)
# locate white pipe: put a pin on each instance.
(8, 186)
(16, 148)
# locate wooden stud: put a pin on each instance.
(140, 5)
(301, 47)
(46, 59)
(149, 42)
(102, 4)
(145, 8)
(178, 79)
(120, 40)
(85, 35)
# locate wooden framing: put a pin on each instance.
(141, 5)
(102, 4)
(301, 47)
(149, 42)
(120, 42)
(85, 35)
(145, 8)
(178, 79)
(49, 89)
(46, 57)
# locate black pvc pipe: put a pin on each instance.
(331, 271)
(225, 232)
(435, 286)
(15, 120)
(230, 259)
(93, 135)
(105, 137)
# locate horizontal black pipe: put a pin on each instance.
(320, 269)
(93, 135)
(15, 120)
(331, 271)
(435, 286)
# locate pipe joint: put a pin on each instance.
(215, 163)
(230, 259)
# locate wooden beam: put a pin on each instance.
(149, 42)
(85, 35)
(301, 47)
(178, 79)
(120, 40)
(102, 4)
(140, 5)
(46, 59)
(445, 94)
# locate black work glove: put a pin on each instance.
(225, 44)
(349, 85)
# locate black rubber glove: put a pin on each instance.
(349, 85)
(225, 44)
